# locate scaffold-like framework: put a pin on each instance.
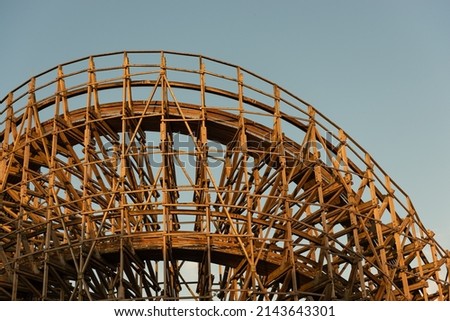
(149, 175)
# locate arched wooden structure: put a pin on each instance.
(162, 175)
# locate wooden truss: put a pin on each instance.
(126, 177)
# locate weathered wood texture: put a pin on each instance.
(162, 175)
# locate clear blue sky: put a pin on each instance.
(380, 69)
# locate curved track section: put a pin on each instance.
(162, 175)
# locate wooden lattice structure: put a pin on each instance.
(162, 175)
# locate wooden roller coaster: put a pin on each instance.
(149, 175)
